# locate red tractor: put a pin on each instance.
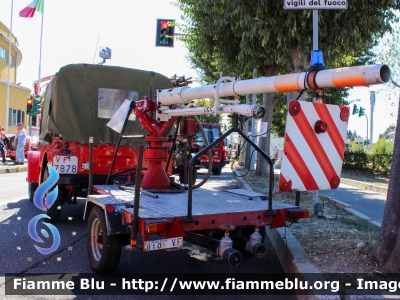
(11, 146)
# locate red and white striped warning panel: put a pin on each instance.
(314, 145)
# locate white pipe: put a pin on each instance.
(255, 111)
(342, 77)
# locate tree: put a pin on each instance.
(388, 130)
(352, 135)
(387, 247)
(234, 37)
(388, 52)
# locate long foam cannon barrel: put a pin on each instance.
(342, 77)
(254, 111)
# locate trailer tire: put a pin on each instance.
(103, 257)
(32, 186)
(217, 171)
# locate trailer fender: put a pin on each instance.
(33, 166)
(112, 214)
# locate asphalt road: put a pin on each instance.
(369, 203)
(18, 253)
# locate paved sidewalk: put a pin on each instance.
(11, 168)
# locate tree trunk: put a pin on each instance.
(269, 101)
(295, 64)
(387, 247)
(242, 153)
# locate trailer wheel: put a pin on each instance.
(104, 250)
(217, 171)
(32, 186)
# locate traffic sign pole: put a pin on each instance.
(30, 125)
(315, 29)
(372, 102)
(315, 47)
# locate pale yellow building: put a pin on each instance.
(18, 94)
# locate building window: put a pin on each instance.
(15, 116)
(4, 55)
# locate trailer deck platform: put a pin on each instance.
(235, 206)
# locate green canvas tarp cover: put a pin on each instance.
(81, 99)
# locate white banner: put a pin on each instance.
(315, 4)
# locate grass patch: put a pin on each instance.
(360, 224)
(343, 244)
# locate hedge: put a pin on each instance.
(373, 162)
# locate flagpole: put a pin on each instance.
(9, 69)
(40, 57)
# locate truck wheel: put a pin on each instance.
(104, 250)
(11, 143)
(32, 186)
(54, 212)
(217, 171)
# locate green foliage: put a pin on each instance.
(355, 147)
(380, 160)
(352, 135)
(382, 146)
(355, 160)
(388, 130)
(388, 52)
(279, 116)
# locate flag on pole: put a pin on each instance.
(29, 11)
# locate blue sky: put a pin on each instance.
(72, 28)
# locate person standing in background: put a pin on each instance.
(3, 149)
(20, 141)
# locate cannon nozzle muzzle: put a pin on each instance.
(258, 112)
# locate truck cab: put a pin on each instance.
(213, 132)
